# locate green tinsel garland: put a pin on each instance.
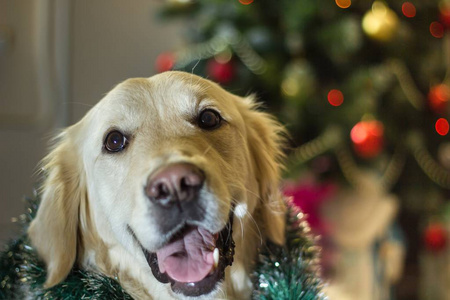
(289, 272)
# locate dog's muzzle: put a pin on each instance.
(194, 260)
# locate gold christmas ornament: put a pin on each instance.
(380, 23)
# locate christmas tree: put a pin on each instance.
(362, 86)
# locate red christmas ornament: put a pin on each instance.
(409, 10)
(335, 97)
(220, 72)
(368, 138)
(444, 17)
(165, 62)
(437, 30)
(435, 237)
(438, 98)
(442, 127)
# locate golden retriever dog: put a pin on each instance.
(169, 184)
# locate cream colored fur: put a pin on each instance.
(89, 196)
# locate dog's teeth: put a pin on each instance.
(216, 257)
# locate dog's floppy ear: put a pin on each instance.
(53, 232)
(265, 142)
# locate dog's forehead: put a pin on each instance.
(170, 94)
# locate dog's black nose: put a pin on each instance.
(175, 184)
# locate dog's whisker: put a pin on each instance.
(243, 188)
(193, 68)
(222, 291)
(242, 230)
(235, 201)
(256, 225)
(207, 150)
(261, 239)
(258, 232)
(246, 212)
(201, 210)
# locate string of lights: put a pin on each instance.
(320, 145)
(437, 173)
(218, 45)
(409, 88)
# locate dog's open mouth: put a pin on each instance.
(194, 260)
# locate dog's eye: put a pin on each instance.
(115, 141)
(209, 119)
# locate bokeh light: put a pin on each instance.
(442, 126)
(435, 237)
(380, 23)
(165, 62)
(344, 3)
(224, 56)
(379, 8)
(409, 10)
(246, 2)
(437, 30)
(361, 131)
(335, 97)
(439, 98)
(290, 87)
(444, 16)
(368, 138)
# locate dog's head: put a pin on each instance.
(160, 168)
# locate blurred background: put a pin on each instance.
(363, 87)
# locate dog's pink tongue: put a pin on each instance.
(190, 258)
